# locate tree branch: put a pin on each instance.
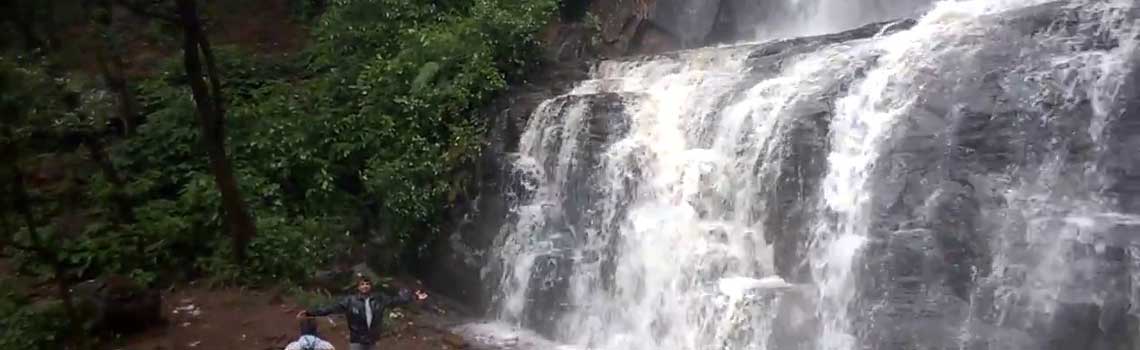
(212, 74)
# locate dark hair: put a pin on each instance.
(309, 327)
(360, 277)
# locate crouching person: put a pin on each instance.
(309, 340)
(364, 312)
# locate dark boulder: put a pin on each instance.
(690, 21)
(118, 305)
(547, 292)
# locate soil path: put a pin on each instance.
(215, 319)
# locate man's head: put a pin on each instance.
(309, 326)
(363, 284)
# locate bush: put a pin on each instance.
(30, 325)
(401, 86)
(286, 252)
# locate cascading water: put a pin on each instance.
(789, 18)
(963, 181)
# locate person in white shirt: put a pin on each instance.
(309, 340)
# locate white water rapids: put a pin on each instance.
(717, 198)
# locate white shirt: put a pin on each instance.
(306, 340)
(368, 311)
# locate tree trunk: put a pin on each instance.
(211, 118)
(47, 255)
(124, 210)
(112, 67)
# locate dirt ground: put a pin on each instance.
(216, 319)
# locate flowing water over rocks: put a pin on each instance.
(966, 180)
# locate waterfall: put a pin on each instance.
(789, 18)
(960, 181)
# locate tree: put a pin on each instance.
(210, 105)
(27, 117)
(111, 64)
(209, 100)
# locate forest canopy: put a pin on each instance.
(138, 144)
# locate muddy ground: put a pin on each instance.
(230, 318)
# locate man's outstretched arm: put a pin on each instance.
(405, 296)
(401, 298)
(336, 308)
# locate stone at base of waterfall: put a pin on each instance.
(455, 341)
(502, 336)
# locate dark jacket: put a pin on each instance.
(353, 309)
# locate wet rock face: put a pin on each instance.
(940, 207)
(624, 29)
(475, 219)
(585, 126)
(1116, 261)
(690, 21)
(788, 223)
(1121, 159)
(605, 124)
(457, 270)
(804, 146)
(547, 293)
(630, 27)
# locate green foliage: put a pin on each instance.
(30, 324)
(287, 251)
(391, 117)
(44, 116)
(594, 25)
(404, 103)
(362, 138)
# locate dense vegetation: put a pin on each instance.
(357, 143)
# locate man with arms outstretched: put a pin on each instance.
(364, 312)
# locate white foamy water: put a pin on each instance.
(650, 196)
(794, 18)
